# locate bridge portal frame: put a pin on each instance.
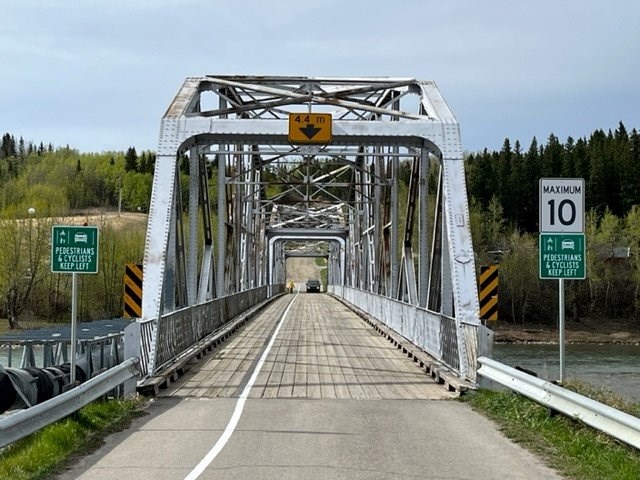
(336, 270)
(249, 113)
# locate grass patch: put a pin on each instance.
(321, 261)
(44, 452)
(323, 277)
(575, 450)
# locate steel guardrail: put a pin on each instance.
(25, 422)
(620, 425)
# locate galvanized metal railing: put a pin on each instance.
(173, 334)
(620, 425)
(47, 352)
(435, 333)
(146, 344)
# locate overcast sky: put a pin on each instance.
(99, 75)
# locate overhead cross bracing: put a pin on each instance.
(231, 136)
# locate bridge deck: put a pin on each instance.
(323, 350)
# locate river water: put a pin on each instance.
(16, 356)
(612, 367)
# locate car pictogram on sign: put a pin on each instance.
(568, 244)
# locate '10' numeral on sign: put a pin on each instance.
(566, 212)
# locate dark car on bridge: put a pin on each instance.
(313, 285)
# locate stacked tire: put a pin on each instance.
(35, 385)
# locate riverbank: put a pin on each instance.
(585, 332)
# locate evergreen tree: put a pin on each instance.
(568, 159)
(131, 160)
(148, 162)
(22, 151)
(517, 181)
(184, 164)
(143, 162)
(481, 177)
(8, 147)
(151, 162)
(581, 160)
(531, 173)
(634, 164)
(598, 171)
(629, 176)
(505, 188)
(552, 157)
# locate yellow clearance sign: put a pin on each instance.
(310, 128)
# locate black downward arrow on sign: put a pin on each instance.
(310, 131)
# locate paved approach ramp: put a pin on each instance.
(308, 390)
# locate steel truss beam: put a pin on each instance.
(343, 199)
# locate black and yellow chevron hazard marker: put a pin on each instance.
(133, 290)
(489, 292)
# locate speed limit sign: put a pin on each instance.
(562, 205)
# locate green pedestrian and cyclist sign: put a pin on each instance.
(562, 255)
(74, 249)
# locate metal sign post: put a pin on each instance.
(561, 326)
(74, 325)
(561, 251)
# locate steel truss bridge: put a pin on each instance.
(384, 201)
(382, 198)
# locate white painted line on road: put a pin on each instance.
(235, 418)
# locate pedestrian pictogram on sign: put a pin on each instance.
(310, 128)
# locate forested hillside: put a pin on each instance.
(503, 191)
(608, 162)
(55, 181)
